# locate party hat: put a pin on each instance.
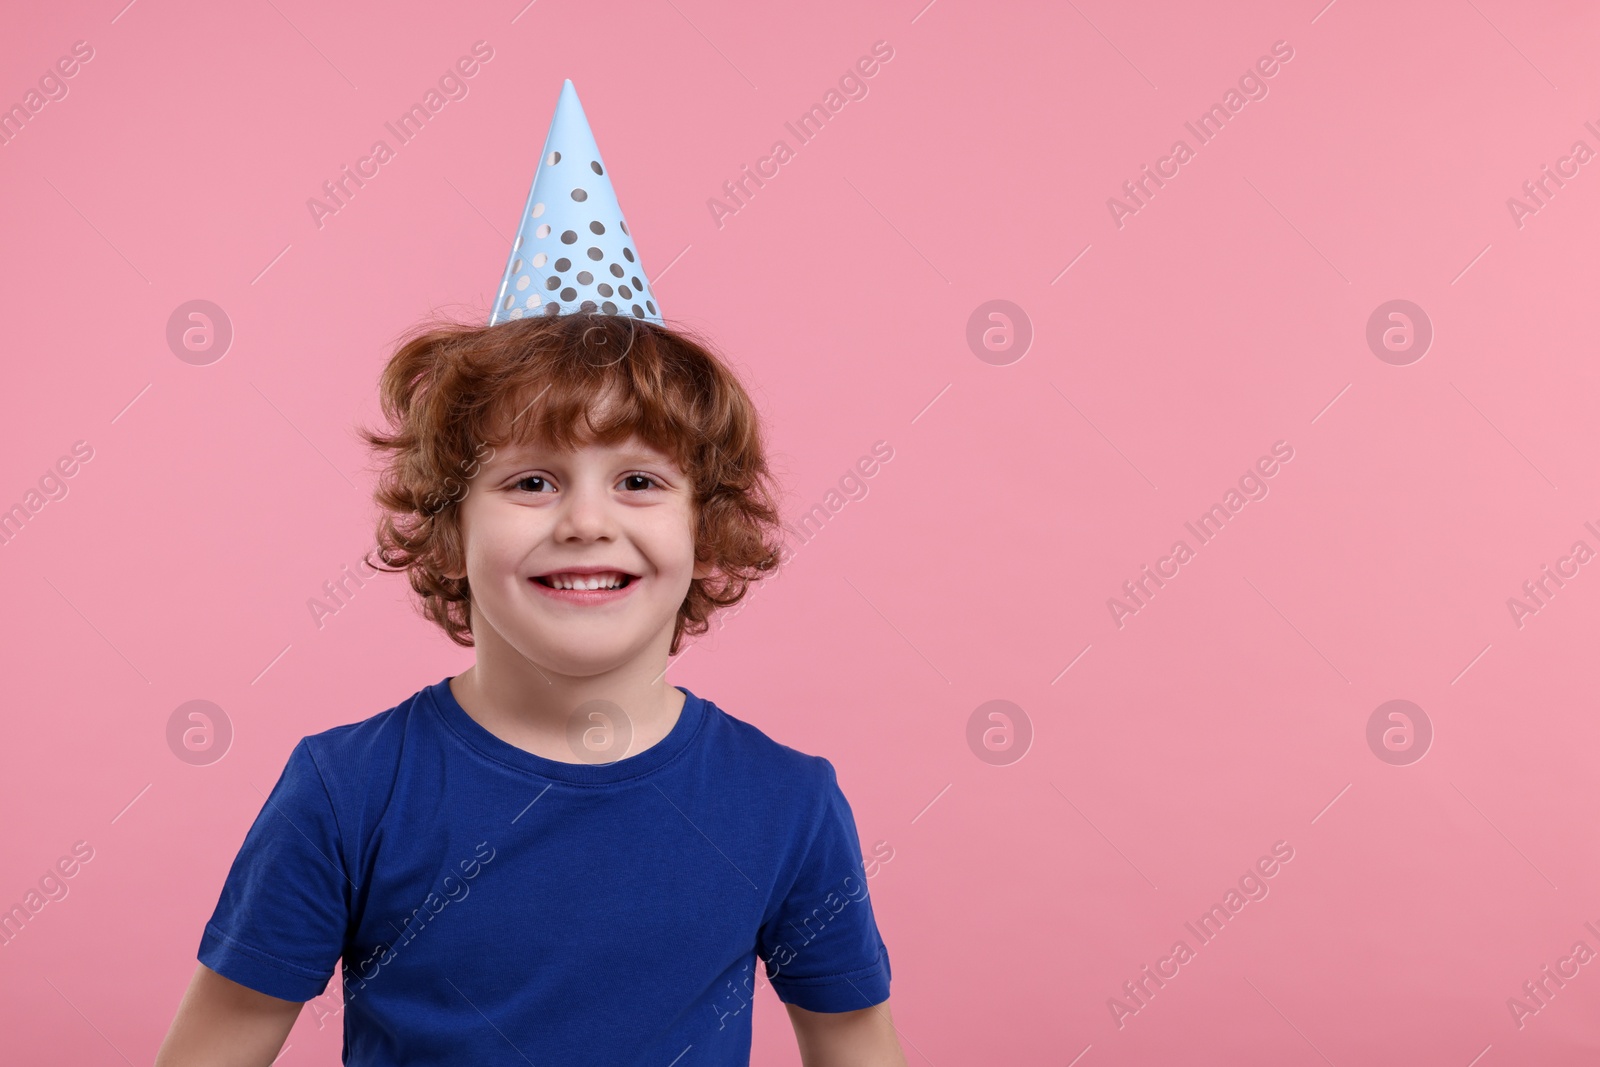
(573, 252)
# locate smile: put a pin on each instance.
(586, 589)
(609, 580)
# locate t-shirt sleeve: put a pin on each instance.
(279, 925)
(821, 944)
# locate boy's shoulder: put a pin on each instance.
(758, 744)
(365, 742)
(770, 770)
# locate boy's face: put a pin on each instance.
(532, 513)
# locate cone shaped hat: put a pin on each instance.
(573, 252)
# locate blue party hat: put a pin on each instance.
(573, 252)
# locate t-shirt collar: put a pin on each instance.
(474, 735)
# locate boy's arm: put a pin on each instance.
(864, 1038)
(221, 1023)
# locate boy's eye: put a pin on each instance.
(630, 481)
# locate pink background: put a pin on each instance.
(1229, 313)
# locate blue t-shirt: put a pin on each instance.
(492, 906)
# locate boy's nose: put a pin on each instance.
(585, 514)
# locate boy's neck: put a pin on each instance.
(568, 719)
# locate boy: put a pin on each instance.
(554, 857)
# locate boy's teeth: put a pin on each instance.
(591, 581)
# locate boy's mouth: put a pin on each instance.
(601, 580)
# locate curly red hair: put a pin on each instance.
(451, 390)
